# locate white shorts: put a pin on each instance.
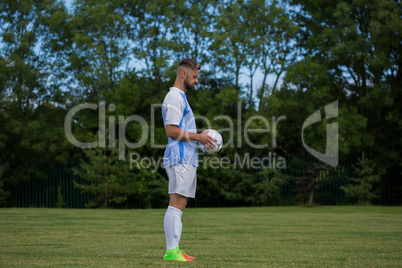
(182, 179)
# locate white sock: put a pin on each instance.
(180, 227)
(172, 224)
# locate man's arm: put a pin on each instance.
(174, 132)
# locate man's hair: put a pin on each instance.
(189, 63)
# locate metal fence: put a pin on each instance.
(58, 190)
(329, 182)
(58, 186)
(328, 190)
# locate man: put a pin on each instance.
(180, 158)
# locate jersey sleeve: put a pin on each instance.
(174, 109)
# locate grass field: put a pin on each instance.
(220, 237)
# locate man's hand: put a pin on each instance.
(207, 140)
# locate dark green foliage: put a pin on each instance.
(114, 181)
(274, 58)
(362, 186)
(60, 200)
(31, 122)
(267, 187)
(3, 195)
(351, 54)
(108, 179)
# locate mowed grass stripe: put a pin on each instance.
(220, 237)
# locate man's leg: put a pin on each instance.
(178, 201)
(182, 179)
(173, 227)
(172, 221)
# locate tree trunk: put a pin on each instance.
(311, 197)
(106, 197)
(261, 93)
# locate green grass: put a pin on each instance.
(220, 237)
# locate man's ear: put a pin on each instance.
(184, 73)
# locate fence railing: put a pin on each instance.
(58, 190)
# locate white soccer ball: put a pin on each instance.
(214, 134)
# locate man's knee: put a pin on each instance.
(178, 201)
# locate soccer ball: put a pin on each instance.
(214, 134)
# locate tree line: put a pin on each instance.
(308, 54)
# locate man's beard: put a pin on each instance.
(187, 85)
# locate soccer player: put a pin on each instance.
(181, 159)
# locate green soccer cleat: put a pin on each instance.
(175, 255)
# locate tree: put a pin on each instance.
(274, 32)
(29, 107)
(150, 37)
(357, 44)
(123, 55)
(361, 186)
(189, 24)
(99, 53)
(306, 185)
(114, 181)
(229, 43)
(267, 187)
(108, 178)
